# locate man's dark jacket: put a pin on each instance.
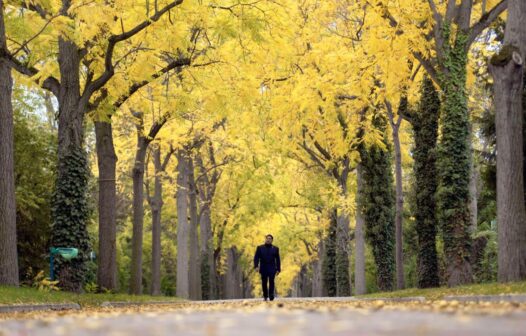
(267, 257)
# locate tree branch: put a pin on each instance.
(486, 20)
(112, 42)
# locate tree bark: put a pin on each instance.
(107, 162)
(194, 269)
(206, 190)
(399, 195)
(8, 249)
(233, 275)
(317, 276)
(359, 238)
(138, 211)
(183, 286)
(473, 194)
(156, 204)
(70, 201)
(507, 69)
(425, 130)
(343, 282)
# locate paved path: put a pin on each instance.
(245, 319)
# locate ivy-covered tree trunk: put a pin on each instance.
(425, 128)
(343, 283)
(8, 250)
(329, 260)
(107, 162)
(454, 163)
(507, 68)
(378, 198)
(70, 202)
(359, 236)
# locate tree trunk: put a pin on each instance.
(399, 195)
(454, 163)
(194, 269)
(8, 250)
(70, 201)
(473, 194)
(425, 128)
(317, 277)
(156, 205)
(233, 275)
(329, 259)
(359, 238)
(183, 287)
(207, 255)
(343, 282)
(507, 69)
(138, 213)
(379, 205)
(107, 161)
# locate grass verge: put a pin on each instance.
(24, 295)
(439, 293)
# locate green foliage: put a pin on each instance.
(91, 287)
(378, 205)
(34, 151)
(425, 128)
(70, 215)
(454, 162)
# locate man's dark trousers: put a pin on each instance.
(268, 285)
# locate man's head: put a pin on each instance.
(269, 239)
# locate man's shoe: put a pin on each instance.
(271, 299)
(266, 299)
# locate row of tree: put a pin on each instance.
(248, 113)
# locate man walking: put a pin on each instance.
(267, 262)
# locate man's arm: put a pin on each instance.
(278, 261)
(256, 258)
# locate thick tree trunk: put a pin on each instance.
(8, 251)
(425, 127)
(156, 204)
(378, 210)
(359, 238)
(507, 69)
(70, 203)
(138, 213)
(194, 259)
(454, 164)
(183, 286)
(233, 275)
(107, 162)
